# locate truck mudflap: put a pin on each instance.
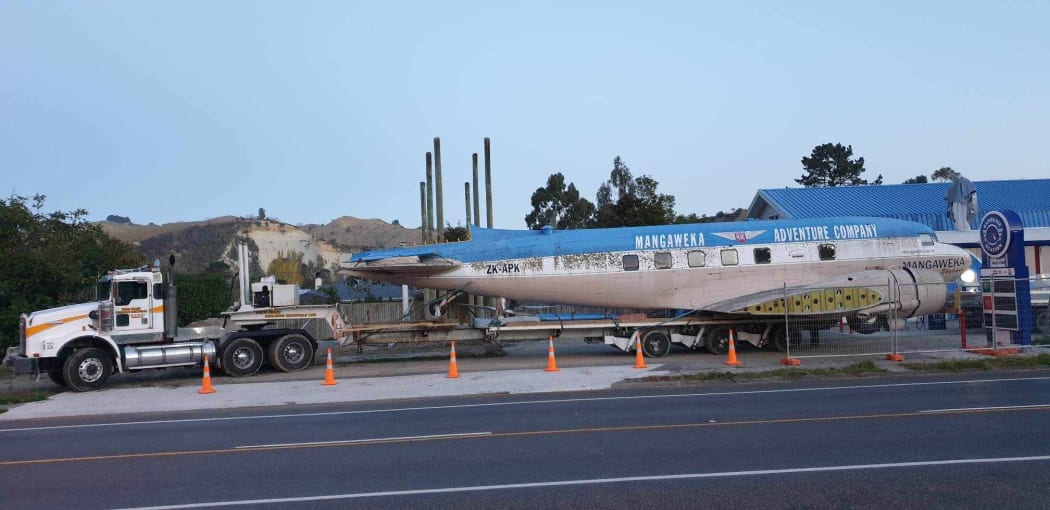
(324, 345)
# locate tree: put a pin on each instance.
(918, 179)
(113, 218)
(285, 268)
(944, 174)
(637, 200)
(262, 214)
(201, 296)
(831, 165)
(456, 233)
(732, 215)
(560, 206)
(48, 260)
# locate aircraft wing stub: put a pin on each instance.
(418, 264)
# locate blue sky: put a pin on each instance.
(175, 111)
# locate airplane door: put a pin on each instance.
(132, 306)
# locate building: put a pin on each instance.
(921, 203)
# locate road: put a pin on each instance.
(940, 442)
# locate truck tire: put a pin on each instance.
(778, 339)
(717, 340)
(1041, 320)
(55, 374)
(863, 326)
(656, 344)
(87, 369)
(291, 353)
(241, 357)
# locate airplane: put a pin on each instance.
(869, 266)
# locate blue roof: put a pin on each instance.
(922, 203)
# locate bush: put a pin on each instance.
(202, 296)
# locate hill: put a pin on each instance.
(197, 244)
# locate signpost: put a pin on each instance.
(1004, 279)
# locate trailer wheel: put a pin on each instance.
(717, 340)
(864, 326)
(1042, 320)
(779, 339)
(241, 357)
(656, 344)
(55, 374)
(291, 353)
(87, 369)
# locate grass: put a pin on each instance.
(959, 365)
(18, 397)
(861, 368)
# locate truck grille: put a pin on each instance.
(22, 334)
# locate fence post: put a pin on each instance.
(995, 341)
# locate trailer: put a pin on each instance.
(624, 332)
(132, 327)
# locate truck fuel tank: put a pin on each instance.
(169, 355)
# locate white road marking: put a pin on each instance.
(375, 440)
(528, 402)
(593, 481)
(957, 409)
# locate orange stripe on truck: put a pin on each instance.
(50, 324)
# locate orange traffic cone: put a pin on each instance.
(732, 351)
(329, 373)
(639, 357)
(552, 365)
(206, 381)
(453, 369)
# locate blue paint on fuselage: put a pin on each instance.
(494, 244)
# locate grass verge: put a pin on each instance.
(861, 368)
(18, 396)
(959, 365)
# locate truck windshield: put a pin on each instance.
(103, 289)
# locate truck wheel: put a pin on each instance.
(779, 339)
(241, 357)
(87, 369)
(1042, 320)
(55, 374)
(863, 326)
(656, 344)
(717, 340)
(291, 353)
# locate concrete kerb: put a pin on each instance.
(421, 376)
(262, 394)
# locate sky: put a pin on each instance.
(182, 111)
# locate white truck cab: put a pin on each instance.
(132, 326)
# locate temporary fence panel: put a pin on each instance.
(1011, 319)
(823, 321)
(954, 327)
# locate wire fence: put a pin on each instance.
(1000, 313)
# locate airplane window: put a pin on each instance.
(826, 251)
(729, 258)
(763, 256)
(630, 262)
(662, 260)
(696, 258)
(925, 239)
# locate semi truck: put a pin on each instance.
(132, 326)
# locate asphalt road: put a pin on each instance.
(971, 441)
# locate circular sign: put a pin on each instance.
(995, 234)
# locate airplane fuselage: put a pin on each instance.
(692, 266)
